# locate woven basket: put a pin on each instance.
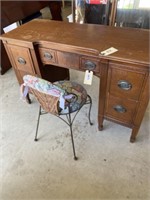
(48, 102)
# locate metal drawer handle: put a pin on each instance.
(48, 56)
(90, 65)
(120, 109)
(21, 61)
(124, 85)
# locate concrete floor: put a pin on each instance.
(109, 167)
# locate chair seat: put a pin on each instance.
(78, 92)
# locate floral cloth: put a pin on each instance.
(43, 85)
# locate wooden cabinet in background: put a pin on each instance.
(13, 11)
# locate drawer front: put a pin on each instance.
(48, 56)
(91, 64)
(68, 60)
(22, 59)
(125, 83)
(121, 109)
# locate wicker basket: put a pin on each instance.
(48, 102)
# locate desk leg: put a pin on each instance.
(141, 111)
(102, 94)
(134, 134)
(100, 126)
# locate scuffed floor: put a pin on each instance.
(109, 167)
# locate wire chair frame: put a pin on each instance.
(49, 104)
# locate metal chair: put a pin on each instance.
(60, 98)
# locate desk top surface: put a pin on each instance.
(132, 44)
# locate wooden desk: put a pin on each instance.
(124, 75)
(13, 11)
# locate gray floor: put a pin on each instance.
(109, 167)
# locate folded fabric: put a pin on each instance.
(42, 86)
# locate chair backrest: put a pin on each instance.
(48, 102)
(47, 94)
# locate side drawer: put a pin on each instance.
(87, 63)
(125, 83)
(121, 109)
(48, 56)
(22, 59)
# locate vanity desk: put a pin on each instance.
(124, 75)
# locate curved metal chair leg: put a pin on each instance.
(37, 124)
(73, 146)
(90, 101)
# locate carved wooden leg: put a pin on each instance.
(134, 134)
(100, 128)
(102, 94)
(100, 123)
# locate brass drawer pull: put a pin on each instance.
(124, 85)
(21, 61)
(120, 109)
(90, 65)
(48, 56)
